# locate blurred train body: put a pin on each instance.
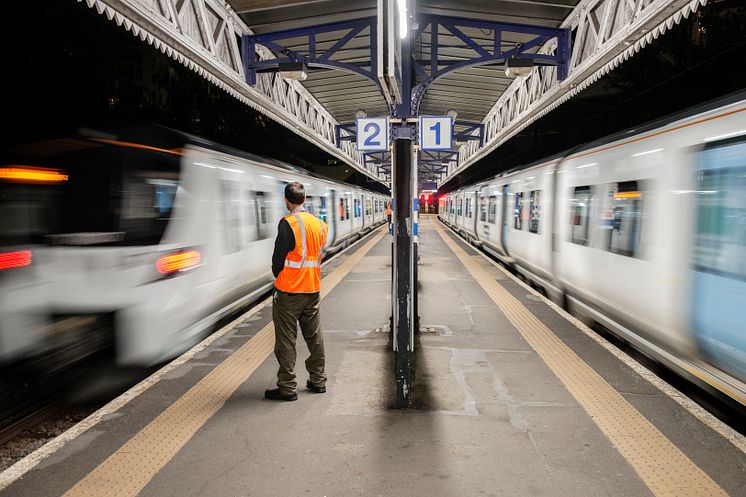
(643, 233)
(142, 244)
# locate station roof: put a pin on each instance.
(471, 91)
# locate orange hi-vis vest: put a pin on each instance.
(302, 271)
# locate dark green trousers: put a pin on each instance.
(288, 311)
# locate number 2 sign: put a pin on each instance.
(436, 132)
(372, 134)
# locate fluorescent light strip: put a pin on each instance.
(402, 18)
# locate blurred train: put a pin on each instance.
(140, 241)
(643, 232)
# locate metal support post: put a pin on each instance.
(415, 246)
(403, 270)
(403, 181)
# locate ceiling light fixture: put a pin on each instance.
(517, 67)
(293, 70)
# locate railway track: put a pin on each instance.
(25, 418)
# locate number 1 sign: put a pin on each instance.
(436, 132)
(372, 134)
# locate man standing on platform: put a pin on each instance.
(296, 265)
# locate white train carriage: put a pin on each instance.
(141, 248)
(643, 232)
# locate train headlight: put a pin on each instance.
(10, 260)
(177, 262)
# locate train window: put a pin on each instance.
(580, 215)
(341, 209)
(518, 212)
(322, 208)
(263, 209)
(231, 219)
(110, 195)
(468, 207)
(310, 204)
(251, 211)
(535, 210)
(262, 214)
(347, 208)
(626, 219)
(721, 222)
(492, 209)
(482, 209)
(460, 208)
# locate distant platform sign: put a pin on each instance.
(372, 134)
(436, 133)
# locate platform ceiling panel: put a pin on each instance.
(472, 91)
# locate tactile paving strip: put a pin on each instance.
(666, 470)
(126, 472)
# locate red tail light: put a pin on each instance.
(178, 261)
(10, 260)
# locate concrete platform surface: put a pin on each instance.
(501, 407)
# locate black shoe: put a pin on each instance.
(310, 386)
(276, 395)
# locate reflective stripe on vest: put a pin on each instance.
(303, 262)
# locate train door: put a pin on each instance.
(475, 212)
(344, 216)
(333, 213)
(504, 218)
(234, 224)
(367, 212)
(719, 290)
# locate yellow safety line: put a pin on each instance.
(666, 470)
(126, 472)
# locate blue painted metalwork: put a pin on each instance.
(437, 160)
(467, 134)
(382, 160)
(348, 128)
(498, 55)
(426, 73)
(312, 57)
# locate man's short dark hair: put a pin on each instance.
(295, 193)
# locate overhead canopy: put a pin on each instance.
(470, 91)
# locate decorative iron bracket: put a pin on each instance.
(429, 71)
(348, 128)
(436, 161)
(279, 43)
(468, 131)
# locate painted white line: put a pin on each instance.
(738, 440)
(26, 464)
